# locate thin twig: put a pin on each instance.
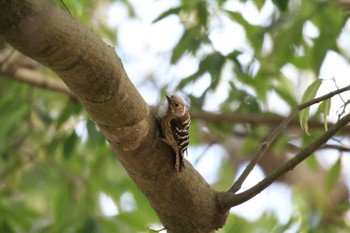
(229, 199)
(35, 78)
(203, 152)
(339, 148)
(271, 138)
(257, 119)
(336, 85)
(65, 6)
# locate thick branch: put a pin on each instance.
(91, 69)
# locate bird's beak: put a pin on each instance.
(168, 98)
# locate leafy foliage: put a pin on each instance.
(51, 179)
(309, 94)
(55, 164)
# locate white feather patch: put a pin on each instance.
(163, 109)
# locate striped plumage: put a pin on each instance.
(175, 123)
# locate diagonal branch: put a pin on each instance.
(229, 199)
(271, 138)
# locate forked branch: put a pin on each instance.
(231, 199)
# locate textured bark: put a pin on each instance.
(92, 70)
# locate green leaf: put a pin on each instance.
(43, 115)
(280, 145)
(259, 3)
(95, 136)
(250, 144)
(213, 64)
(238, 18)
(89, 226)
(189, 42)
(284, 41)
(226, 172)
(202, 10)
(172, 11)
(333, 175)
(301, 62)
(281, 4)
(312, 162)
(309, 94)
(149, 230)
(69, 110)
(69, 145)
(322, 44)
(330, 23)
(285, 89)
(325, 107)
(189, 4)
(254, 33)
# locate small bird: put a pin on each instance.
(175, 123)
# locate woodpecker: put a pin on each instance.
(175, 126)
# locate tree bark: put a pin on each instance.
(92, 70)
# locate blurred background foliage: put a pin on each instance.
(58, 174)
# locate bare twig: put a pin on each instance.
(336, 85)
(263, 118)
(270, 139)
(340, 148)
(336, 147)
(203, 152)
(35, 78)
(230, 199)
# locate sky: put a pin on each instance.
(144, 46)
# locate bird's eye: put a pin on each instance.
(176, 105)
